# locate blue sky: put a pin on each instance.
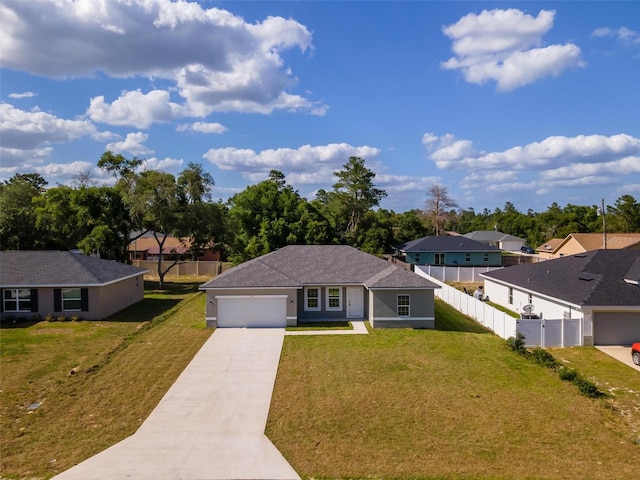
(522, 102)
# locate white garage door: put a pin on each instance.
(252, 311)
(616, 328)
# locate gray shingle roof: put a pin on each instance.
(299, 265)
(492, 236)
(446, 243)
(595, 278)
(53, 268)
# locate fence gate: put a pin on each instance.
(554, 332)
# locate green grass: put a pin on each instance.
(304, 326)
(453, 403)
(450, 403)
(97, 380)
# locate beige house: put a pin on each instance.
(586, 242)
(42, 283)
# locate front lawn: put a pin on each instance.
(451, 403)
(96, 381)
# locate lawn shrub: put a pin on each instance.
(517, 343)
(543, 357)
(567, 374)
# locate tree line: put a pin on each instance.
(265, 216)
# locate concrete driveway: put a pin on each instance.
(620, 353)
(210, 424)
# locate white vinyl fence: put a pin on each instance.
(554, 332)
(499, 322)
(537, 332)
(455, 274)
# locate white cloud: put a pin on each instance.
(505, 46)
(22, 95)
(164, 164)
(17, 157)
(624, 35)
(57, 170)
(550, 152)
(202, 127)
(554, 163)
(310, 165)
(133, 145)
(26, 135)
(134, 108)
(217, 60)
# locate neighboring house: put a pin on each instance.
(587, 242)
(449, 251)
(546, 250)
(599, 287)
(318, 282)
(66, 284)
(504, 241)
(146, 248)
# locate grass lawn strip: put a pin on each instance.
(121, 369)
(438, 404)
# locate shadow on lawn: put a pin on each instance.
(448, 319)
(172, 288)
(143, 311)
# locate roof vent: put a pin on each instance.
(586, 278)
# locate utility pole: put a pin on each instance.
(604, 226)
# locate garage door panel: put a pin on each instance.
(616, 328)
(252, 311)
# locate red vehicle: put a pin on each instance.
(635, 353)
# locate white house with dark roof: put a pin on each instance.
(599, 287)
(504, 241)
(41, 283)
(318, 282)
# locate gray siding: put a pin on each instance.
(385, 305)
(323, 313)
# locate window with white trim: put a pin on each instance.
(312, 299)
(404, 305)
(439, 259)
(16, 300)
(467, 257)
(71, 299)
(416, 258)
(510, 296)
(334, 298)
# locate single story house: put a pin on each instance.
(504, 241)
(599, 287)
(587, 242)
(147, 248)
(446, 250)
(318, 282)
(41, 283)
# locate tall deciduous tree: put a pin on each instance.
(261, 218)
(438, 206)
(202, 221)
(17, 211)
(354, 194)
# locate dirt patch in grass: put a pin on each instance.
(437, 404)
(96, 381)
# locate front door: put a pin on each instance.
(355, 302)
